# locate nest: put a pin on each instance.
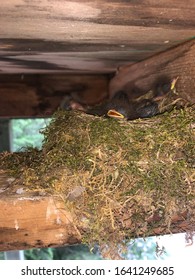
(119, 179)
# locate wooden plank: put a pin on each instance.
(92, 36)
(30, 220)
(41, 95)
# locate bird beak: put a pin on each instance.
(173, 83)
(114, 114)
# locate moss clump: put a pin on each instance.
(121, 179)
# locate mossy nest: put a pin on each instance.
(119, 179)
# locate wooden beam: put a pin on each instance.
(29, 220)
(91, 36)
(177, 62)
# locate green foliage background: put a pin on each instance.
(26, 132)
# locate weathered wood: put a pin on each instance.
(177, 62)
(41, 95)
(29, 220)
(92, 36)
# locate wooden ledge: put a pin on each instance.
(29, 220)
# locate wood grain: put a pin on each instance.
(88, 36)
(30, 220)
(177, 62)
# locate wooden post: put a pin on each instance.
(5, 135)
